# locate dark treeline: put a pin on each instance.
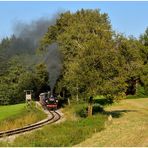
(95, 59)
(21, 66)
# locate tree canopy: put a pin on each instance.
(96, 60)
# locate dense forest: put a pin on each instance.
(87, 58)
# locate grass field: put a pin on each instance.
(129, 126)
(15, 116)
(68, 133)
(10, 110)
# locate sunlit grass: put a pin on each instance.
(68, 133)
(10, 110)
(21, 116)
(129, 129)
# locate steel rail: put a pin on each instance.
(55, 117)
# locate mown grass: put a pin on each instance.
(128, 129)
(21, 116)
(136, 97)
(68, 133)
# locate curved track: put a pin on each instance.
(55, 116)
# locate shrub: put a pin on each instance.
(140, 91)
(97, 108)
(82, 112)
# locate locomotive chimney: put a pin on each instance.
(51, 93)
(48, 94)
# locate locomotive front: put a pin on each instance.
(52, 102)
(48, 102)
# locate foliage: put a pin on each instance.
(37, 80)
(83, 112)
(87, 47)
(144, 55)
(141, 92)
(18, 78)
(96, 60)
(9, 83)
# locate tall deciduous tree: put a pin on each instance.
(91, 62)
(144, 55)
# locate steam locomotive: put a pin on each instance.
(48, 101)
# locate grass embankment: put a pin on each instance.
(68, 133)
(129, 126)
(16, 116)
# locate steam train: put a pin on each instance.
(48, 101)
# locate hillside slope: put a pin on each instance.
(129, 126)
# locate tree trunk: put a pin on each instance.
(68, 101)
(77, 97)
(90, 110)
(90, 106)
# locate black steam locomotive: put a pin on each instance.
(48, 101)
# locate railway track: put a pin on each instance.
(55, 116)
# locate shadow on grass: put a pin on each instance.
(117, 113)
(103, 101)
(97, 108)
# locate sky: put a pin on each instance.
(129, 18)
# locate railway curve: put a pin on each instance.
(54, 116)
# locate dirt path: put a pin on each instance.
(129, 126)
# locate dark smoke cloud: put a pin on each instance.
(53, 61)
(29, 36)
(26, 40)
(33, 32)
(26, 37)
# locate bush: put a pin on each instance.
(140, 92)
(82, 113)
(97, 108)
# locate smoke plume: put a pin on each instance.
(26, 40)
(33, 32)
(26, 37)
(54, 64)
